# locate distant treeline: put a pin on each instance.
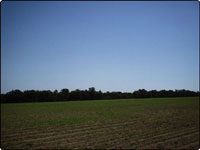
(16, 96)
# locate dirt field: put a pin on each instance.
(160, 123)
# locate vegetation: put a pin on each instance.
(153, 123)
(15, 96)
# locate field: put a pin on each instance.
(152, 123)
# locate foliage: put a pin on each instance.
(90, 94)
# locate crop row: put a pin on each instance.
(112, 135)
(100, 137)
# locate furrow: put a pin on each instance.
(147, 134)
(81, 138)
(19, 130)
(76, 134)
(104, 138)
(71, 132)
(149, 138)
(194, 145)
(171, 139)
(72, 128)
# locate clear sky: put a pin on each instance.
(112, 46)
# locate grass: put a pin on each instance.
(82, 122)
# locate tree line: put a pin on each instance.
(16, 96)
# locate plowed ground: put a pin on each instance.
(171, 124)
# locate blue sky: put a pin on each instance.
(112, 46)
